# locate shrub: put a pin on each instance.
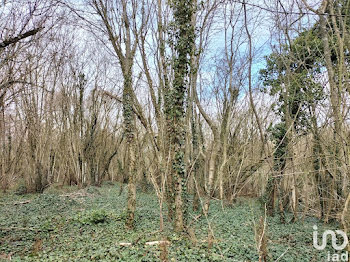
(21, 188)
(92, 217)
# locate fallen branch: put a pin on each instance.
(22, 202)
(18, 228)
(161, 242)
(150, 243)
(125, 244)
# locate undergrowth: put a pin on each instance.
(89, 226)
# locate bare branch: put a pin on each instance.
(18, 38)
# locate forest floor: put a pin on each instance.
(88, 225)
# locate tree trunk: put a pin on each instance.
(335, 95)
(129, 126)
(183, 13)
(211, 173)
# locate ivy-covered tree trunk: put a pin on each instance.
(122, 36)
(184, 37)
(274, 189)
(195, 159)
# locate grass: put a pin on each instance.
(89, 225)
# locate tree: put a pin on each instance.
(333, 26)
(19, 39)
(183, 31)
(121, 31)
(291, 75)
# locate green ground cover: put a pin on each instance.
(88, 225)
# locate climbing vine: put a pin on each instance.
(182, 31)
